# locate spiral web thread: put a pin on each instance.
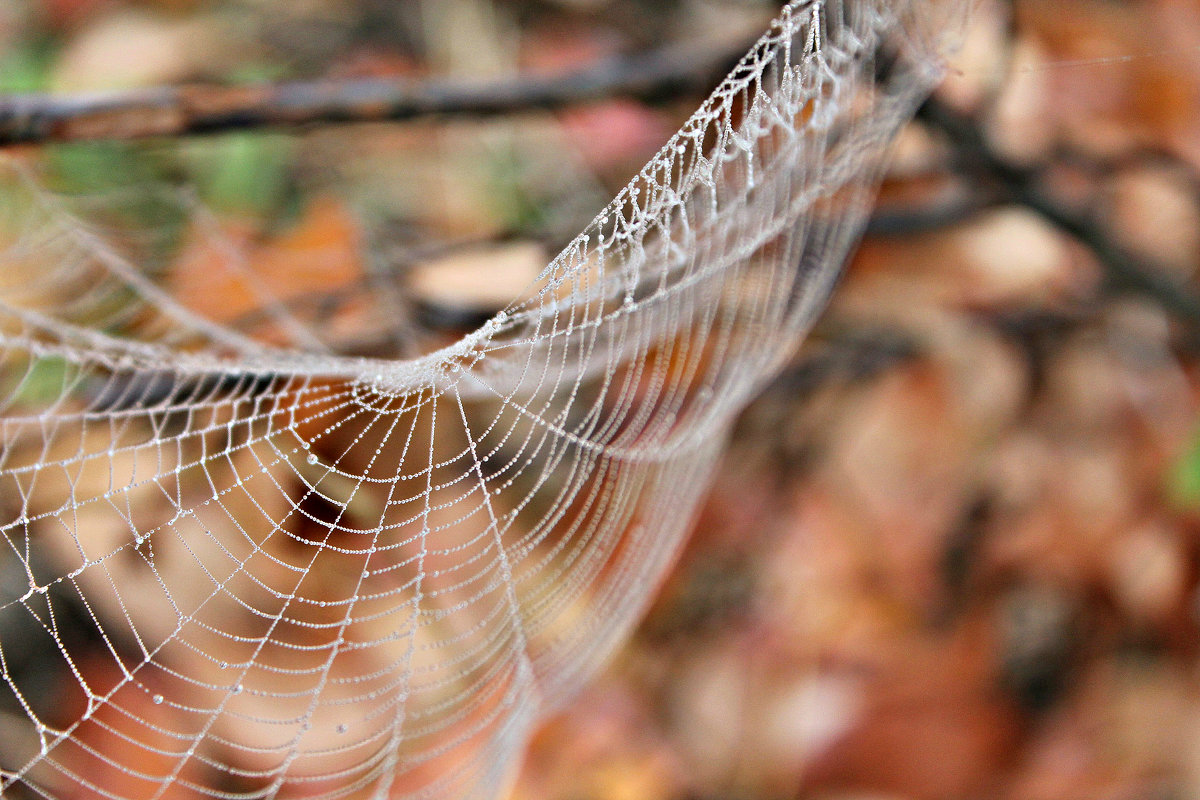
(261, 567)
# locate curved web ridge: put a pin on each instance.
(264, 569)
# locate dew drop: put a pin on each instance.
(157, 699)
(312, 458)
(237, 689)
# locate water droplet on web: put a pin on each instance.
(501, 317)
(312, 458)
(157, 699)
(237, 689)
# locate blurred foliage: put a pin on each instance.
(245, 174)
(1184, 479)
(24, 67)
(43, 383)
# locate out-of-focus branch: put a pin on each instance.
(185, 110)
(921, 219)
(1024, 186)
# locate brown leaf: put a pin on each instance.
(275, 287)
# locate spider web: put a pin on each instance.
(262, 567)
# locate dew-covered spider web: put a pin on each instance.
(264, 567)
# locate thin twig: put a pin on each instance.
(200, 109)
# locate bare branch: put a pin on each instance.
(199, 109)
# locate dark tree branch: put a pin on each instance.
(1124, 271)
(935, 216)
(654, 76)
(186, 110)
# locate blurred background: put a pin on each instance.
(954, 549)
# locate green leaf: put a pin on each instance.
(244, 173)
(44, 382)
(26, 67)
(126, 186)
(1184, 478)
(510, 196)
